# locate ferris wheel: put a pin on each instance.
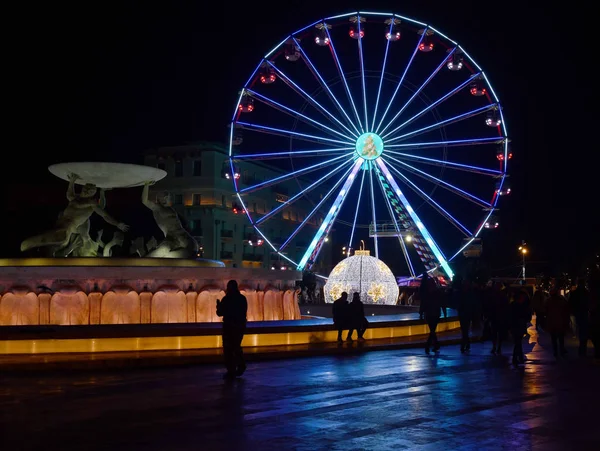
(386, 111)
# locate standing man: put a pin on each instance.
(233, 308)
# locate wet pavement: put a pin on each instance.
(379, 400)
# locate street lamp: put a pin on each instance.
(523, 250)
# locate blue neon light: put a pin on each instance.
(411, 184)
(331, 214)
(428, 238)
(448, 163)
(292, 153)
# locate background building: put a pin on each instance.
(198, 179)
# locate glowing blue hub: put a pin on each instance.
(369, 146)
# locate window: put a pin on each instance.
(196, 199)
(197, 168)
(178, 199)
(178, 168)
(161, 165)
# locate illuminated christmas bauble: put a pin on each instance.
(366, 275)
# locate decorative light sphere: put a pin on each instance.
(365, 274)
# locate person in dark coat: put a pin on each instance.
(594, 321)
(430, 309)
(340, 315)
(519, 316)
(579, 302)
(557, 321)
(233, 308)
(356, 318)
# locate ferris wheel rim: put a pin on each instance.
(395, 155)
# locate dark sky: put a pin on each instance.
(104, 81)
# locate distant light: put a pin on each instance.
(326, 239)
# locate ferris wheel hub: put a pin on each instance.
(369, 146)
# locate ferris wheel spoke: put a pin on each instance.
(293, 153)
(416, 220)
(428, 108)
(446, 163)
(306, 170)
(455, 222)
(309, 188)
(325, 86)
(454, 143)
(373, 212)
(302, 93)
(343, 77)
(396, 225)
(401, 81)
(443, 184)
(362, 181)
(280, 132)
(314, 210)
(314, 248)
(387, 48)
(438, 125)
(296, 114)
(418, 91)
(362, 72)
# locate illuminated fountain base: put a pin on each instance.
(90, 291)
(106, 305)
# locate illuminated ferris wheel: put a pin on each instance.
(386, 111)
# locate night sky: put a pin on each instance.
(103, 82)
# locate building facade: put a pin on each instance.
(199, 180)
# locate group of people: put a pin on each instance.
(349, 316)
(504, 311)
(500, 309)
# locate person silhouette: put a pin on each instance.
(340, 315)
(356, 318)
(233, 308)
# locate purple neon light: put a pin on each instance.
(316, 73)
(430, 107)
(401, 81)
(387, 48)
(296, 113)
(291, 200)
(292, 153)
(289, 132)
(458, 142)
(362, 73)
(292, 174)
(343, 77)
(417, 92)
(450, 164)
(460, 117)
(307, 96)
(442, 182)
